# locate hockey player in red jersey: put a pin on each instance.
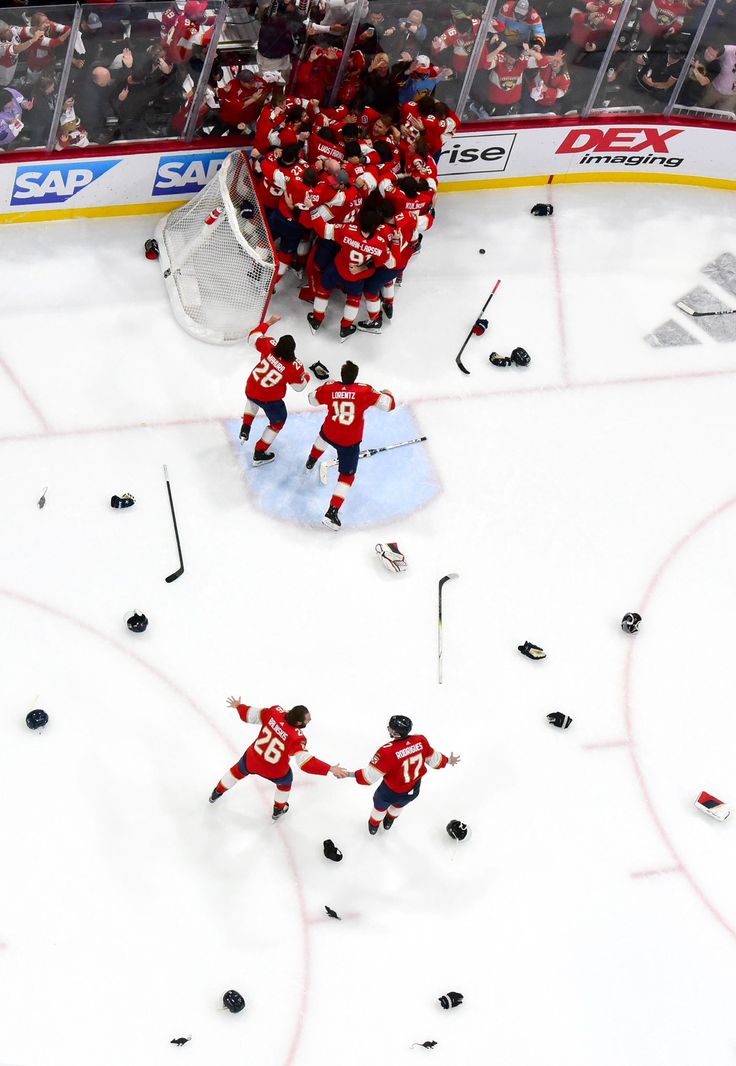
(266, 386)
(347, 401)
(400, 766)
(280, 738)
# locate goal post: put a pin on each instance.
(218, 258)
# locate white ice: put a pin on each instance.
(591, 917)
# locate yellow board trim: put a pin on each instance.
(117, 210)
(576, 179)
(56, 214)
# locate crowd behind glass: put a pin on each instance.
(74, 76)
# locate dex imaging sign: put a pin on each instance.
(630, 146)
(178, 174)
(55, 183)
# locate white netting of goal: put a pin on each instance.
(217, 257)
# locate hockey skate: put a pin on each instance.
(215, 796)
(371, 325)
(346, 331)
(279, 812)
(332, 519)
(310, 463)
(388, 309)
(314, 322)
(263, 458)
(372, 829)
(244, 431)
(388, 821)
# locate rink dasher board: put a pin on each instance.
(145, 180)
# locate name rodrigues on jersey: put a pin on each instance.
(408, 751)
(273, 724)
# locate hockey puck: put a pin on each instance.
(482, 251)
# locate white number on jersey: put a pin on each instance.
(343, 411)
(272, 377)
(412, 766)
(268, 746)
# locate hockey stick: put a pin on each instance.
(700, 314)
(180, 571)
(325, 466)
(447, 577)
(458, 358)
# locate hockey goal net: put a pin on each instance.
(217, 257)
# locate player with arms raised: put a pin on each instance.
(347, 401)
(402, 763)
(280, 738)
(266, 386)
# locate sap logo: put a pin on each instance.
(49, 183)
(185, 173)
(630, 138)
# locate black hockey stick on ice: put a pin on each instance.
(325, 466)
(447, 577)
(699, 314)
(180, 571)
(459, 356)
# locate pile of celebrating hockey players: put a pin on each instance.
(348, 193)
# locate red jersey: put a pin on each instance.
(549, 85)
(241, 103)
(402, 763)
(586, 29)
(416, 166)
(277, 742)
(40, 54)
(417, 205)
(401, 236)
(318, 148)
(663, 18)
(275, 176)
(347, 405)
(461, 44)
(268, 122)
(268, 380)
(505, 79)
(358, 255)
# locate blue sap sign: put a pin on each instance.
(55, 183)
(178, 174)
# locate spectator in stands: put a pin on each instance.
(71, 133)
(38, 119)
(370, 33)
(11, 47)
(590, 30)
(275, 45)
(417, 76)
(13, 105)
(519, 23)
(378, 89)
(699, 77)
(550, 84)
(658, 72)
(663, 18)
(99, 97)
(41, 53)
(411, 33)
(720, 95)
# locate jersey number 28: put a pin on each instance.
(273, 377)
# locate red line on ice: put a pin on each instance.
(682, 543)
(606, 744)
(26, 396)
(657, 873)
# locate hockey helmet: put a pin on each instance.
(136, 622)
(233, 1001)
(630, 622)
(456, 829)
(36, 719)
(400, 725)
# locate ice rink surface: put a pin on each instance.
(591, 916)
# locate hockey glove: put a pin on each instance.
(499, 360)
(542, 209)
(562, 721)
(391, 557)
(480, 327)
(126, 500)
(320, 371)
(532, 651)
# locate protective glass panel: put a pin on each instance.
(709, 88)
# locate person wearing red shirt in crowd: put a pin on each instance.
(362, 248)
(519, 23)
(663, 18)
(274, 169)
(268, 122)
(506, 68)
(279, 739)
(591, 29)
(551, 83)
(40, 55)
(169, 17)
(316, 74)
(189, 29)
(419, 163)
(400, 230)
(400, 766)
(242, 99)
(347, 402)
(460, 37)
(266, 386)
